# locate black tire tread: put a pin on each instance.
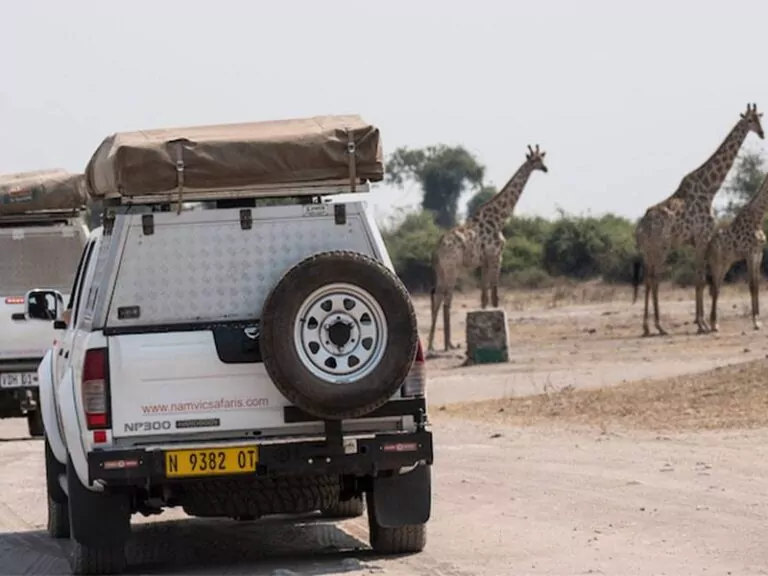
(271, 346)
(401, 540)
(91, 560)
(234, 497)
(53, 469)
(58, 519)
(352, 508)
(35, 424)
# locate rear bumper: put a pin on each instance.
(385, 452)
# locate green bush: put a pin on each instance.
(411, 244)
(537, 250)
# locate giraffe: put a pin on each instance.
(687, 218)
(477, 243)
(742, 239)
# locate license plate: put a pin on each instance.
(18, 379)
(211, 461)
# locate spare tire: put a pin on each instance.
(338, 335)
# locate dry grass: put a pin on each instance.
(727, 397)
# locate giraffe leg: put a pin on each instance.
(753, 266)
(647, 282)
(437, 301)
(447, 322)
(495, 277)
(655, 292)
(700, 263)
(485, 283)
(717, 281)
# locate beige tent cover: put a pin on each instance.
(235, 156)
(39, 190)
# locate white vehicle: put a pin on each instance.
(40, 244)
(241, 360)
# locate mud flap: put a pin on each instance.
(97, 519)
(403, 499)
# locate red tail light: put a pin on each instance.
(14, 300)
(94, 389)
(416, 382)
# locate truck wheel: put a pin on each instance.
(101, 560)
(58, 506)
(400, 540)
(58, 519)
(35, 423)
(100, 525)
(338, 335)
(351, 508)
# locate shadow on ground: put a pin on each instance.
(274, 546)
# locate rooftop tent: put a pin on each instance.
(256, 155)
(41, 190)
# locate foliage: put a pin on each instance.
(443, 173)
(748, 174)
(481, 197)
(411, 244)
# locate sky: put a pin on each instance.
(625, 97)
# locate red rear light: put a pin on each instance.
(14, 300)
(416, 382)
(94, 389)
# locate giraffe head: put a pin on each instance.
(752, 119)
(535, 158)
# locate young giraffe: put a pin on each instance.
(742, 239)
(687, 218)
(478, 242)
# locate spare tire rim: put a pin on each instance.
(340, 333)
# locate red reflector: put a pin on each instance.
(99, 436)
(400, 447)
(94, 420)
(118, 464)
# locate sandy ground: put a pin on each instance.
(568, 482)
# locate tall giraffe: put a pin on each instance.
(687, 218)
(478, 242)
(742, 239)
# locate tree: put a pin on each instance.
(481, 197)
(748, 174)
(443, 172)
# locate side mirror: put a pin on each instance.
(18, 316)
(43, 304)
(59, 325)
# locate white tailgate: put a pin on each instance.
(171, 382)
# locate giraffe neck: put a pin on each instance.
(498, 209)
(712, 173)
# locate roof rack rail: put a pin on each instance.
(324, 188)
(39, 216)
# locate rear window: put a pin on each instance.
(38, 258)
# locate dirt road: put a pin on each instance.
(550, 500)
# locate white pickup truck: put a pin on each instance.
(241, 360)
(39, 250)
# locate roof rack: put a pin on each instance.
(46, 216)
(325, 188)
